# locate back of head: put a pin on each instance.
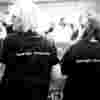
(28, 15)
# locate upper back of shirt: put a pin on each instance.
(28, 54)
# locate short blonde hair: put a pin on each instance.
(27, 11)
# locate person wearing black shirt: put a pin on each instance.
(28, 58)
(81, 60)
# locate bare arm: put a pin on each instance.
(3, 33)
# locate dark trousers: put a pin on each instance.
(27, 90)
(67, 90)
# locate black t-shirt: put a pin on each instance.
(81, 61)
(84, 52)
(28, 56)
(80, 64)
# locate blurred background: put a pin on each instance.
(56, 8)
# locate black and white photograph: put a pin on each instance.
(49, 49)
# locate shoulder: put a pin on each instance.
(47, 42)
(11, 40)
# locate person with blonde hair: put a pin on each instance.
(29, 57)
